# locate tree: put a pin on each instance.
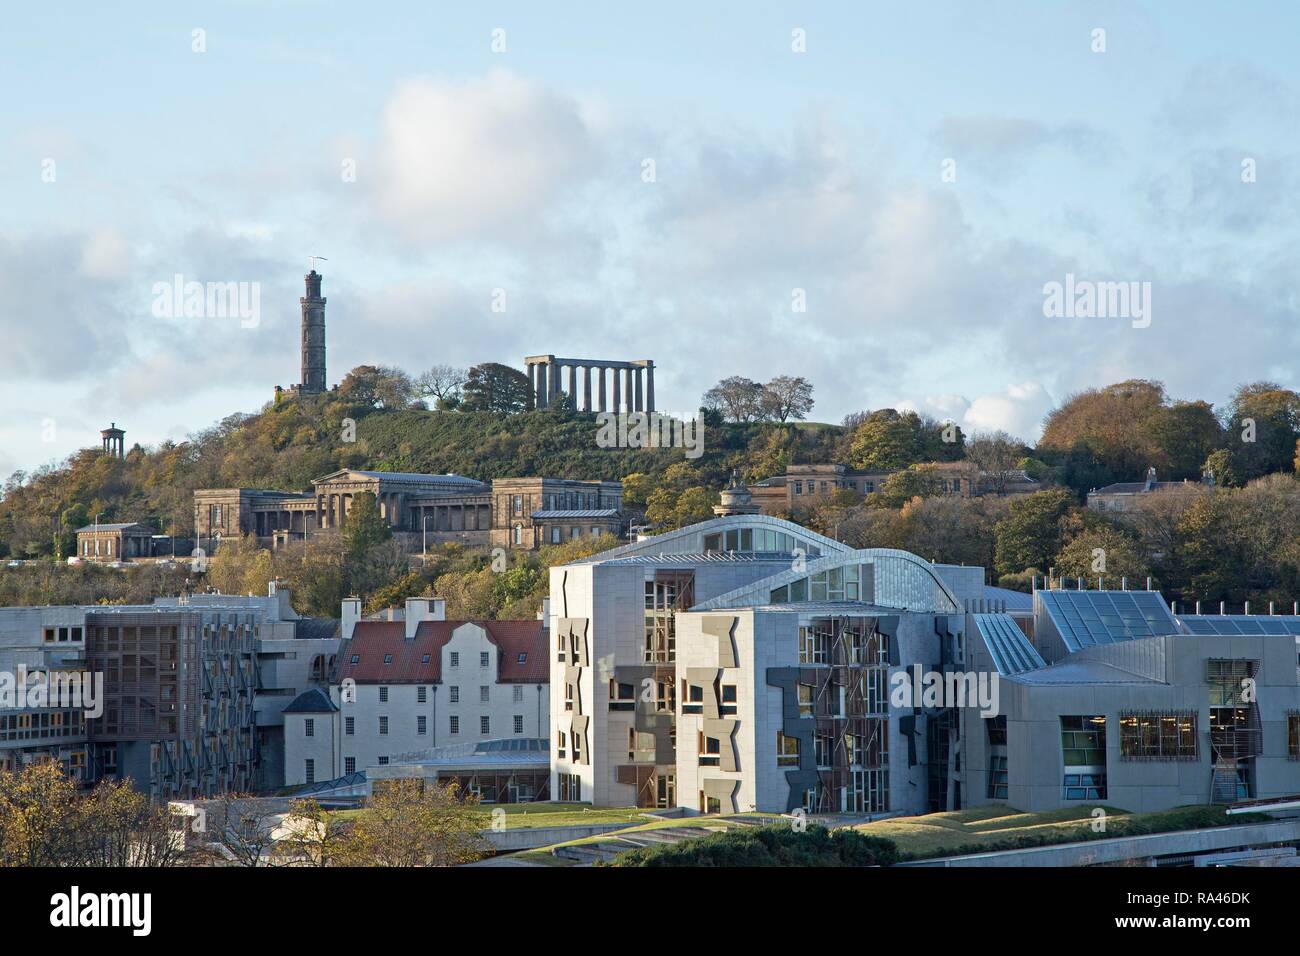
(316, 837)
(787, 397)
(1029, 535)
(492, 387)
(442, 383)
(38, 817)
(887, 441)
(736, 398)
(373, 386)
(364, 526)
(1263, 421)
(996, 457)
(1112, 425)
(240, 566)
(914, 481)
(240, 828)
(1186, 433)
(408, 823)
(1102, 551)
(1218, 466)
(123, 827)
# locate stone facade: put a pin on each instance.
(632, 383)
(508, 513)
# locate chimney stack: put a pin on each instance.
(421, 609)
(350, 616)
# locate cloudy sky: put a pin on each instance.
(663, 181)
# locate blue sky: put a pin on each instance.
(522, 170)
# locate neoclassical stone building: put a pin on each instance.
(508, 512)
(633, 383)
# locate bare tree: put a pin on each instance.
(442, 383)
(240, 829)
(995, 457)
(736, 398)
(787, 397)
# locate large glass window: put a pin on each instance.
(1158, 736)
(1083, 749)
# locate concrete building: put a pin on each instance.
(633, 383)
(746, 663)
(426, 509)
(416, 681)
(189, 690)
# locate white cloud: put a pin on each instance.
(479, 159)
(1017, 409)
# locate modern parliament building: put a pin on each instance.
(747, 663)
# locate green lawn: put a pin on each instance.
(983, 829)
(529, 815)
(543, 854)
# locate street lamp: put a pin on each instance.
(424, 546)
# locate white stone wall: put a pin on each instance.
(320, 747)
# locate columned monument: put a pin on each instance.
(633, 383)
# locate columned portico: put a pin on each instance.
(634, 388)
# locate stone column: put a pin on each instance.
(586, 388)
(532, 380)
(627, 389)
(552, 381)
(600, 374)
(539, 396)
(617, 374)
(650, 387)
(573, 385)
(640, 398)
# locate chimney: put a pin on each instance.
(351, 614)
(420, 609)
(545, 614)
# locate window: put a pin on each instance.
(455, 658)
(383, 725)
(522, 658)
(349, 764)
(383, 761)
(383, 695)
(787, 750)
(710, 750)
(388, 658)
(519, 534)
(309, 728)
(309, 771)
(356, 658)
(424, 659)
(517, 693)
(484, 725)
(807, 707)
(622, 695)
(1158, 736)
(576, 740)
(560, 739)
(1293, 734)
(455, 724)
(483, 694)
(517, 504)
(1083, 750)
(570, 788)
(569, 694)
(422, 695)
(350, 726)
(692, 698)
(484, 658)
(556, 534)
(454, 693)
(728, 705)
(519, 723)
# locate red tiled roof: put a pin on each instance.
(372, 641)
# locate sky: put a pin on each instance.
(874, 196)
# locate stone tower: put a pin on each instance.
(313, 337)
(114, 441)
